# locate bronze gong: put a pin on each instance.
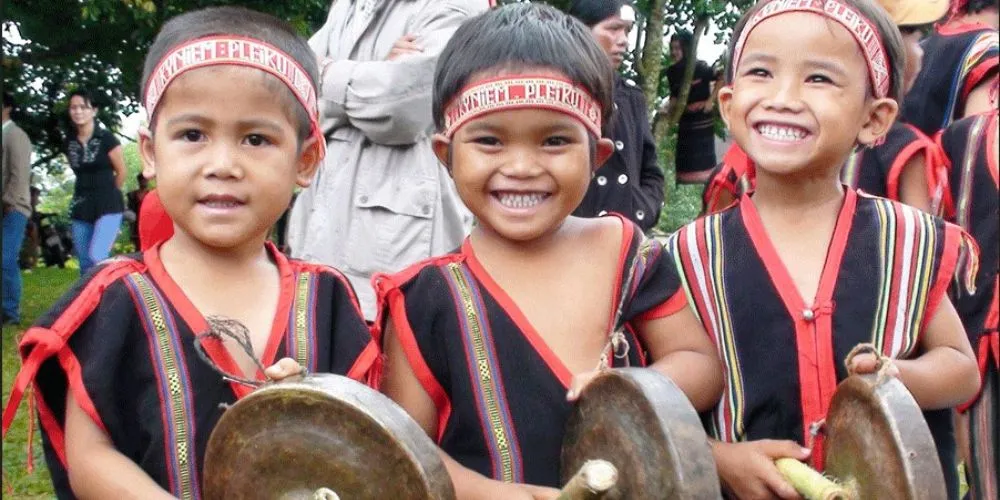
(878, 443)
(324, 437)
(640, 422)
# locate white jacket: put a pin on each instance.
(381, 201)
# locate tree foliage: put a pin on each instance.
(100, 45)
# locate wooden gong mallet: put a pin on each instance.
(639, 422)
(877, 444)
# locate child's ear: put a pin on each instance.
(881, 115)
(442, 149)
(146, 153)
(309, 160)
(605, 148)
(725, 103)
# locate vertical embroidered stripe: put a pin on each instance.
(697, 254)
(907, 259)
(175, 388)
(486, 378)
(968, 165)
(849, 174)
(301, 341)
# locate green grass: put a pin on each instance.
(42, 286)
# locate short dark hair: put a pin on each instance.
(592, 12)
(684, 38)
(242, 22)
(84, 94)
(533, 36)
(8, 100)
(892, 40)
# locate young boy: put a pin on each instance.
(125, 365)
(483, 344)
(789, 280)
(972, 146)
(905, 166)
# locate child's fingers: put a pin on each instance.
(864, 363)
(777, 483)
(579, 382)
(775, 449)
(284, 368)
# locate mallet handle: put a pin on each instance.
(591, 482)
(811, 484)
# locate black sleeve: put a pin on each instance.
(353, 352)
(656, 283)
(649, 197)
(109, 141)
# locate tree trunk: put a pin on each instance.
(652, 52)
(640, 41)
(664, 123)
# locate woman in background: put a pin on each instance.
(95, 156)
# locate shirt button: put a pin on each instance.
(602, 213)
(425, 209)
(630, 83)
(615, 106)
(601, 180)
(619, 145)
(622, 179)
(363, 199)
(639, 214)
(808, 315)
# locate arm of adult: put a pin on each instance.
(117, 159)
(650, 176)
(96, 469)
(18, 175)
(400, 383)
(390, 101)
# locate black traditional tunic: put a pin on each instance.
(122, 340)
(956, 60)
(499, 390)
(877, 170)
(971, 144)
(887, 268)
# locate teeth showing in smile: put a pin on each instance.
(221, 204)
(781, 133)
(521, 200)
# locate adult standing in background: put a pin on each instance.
(695, 157)
(381, 200)
(16, 208)
(95, 155)
(631, 182)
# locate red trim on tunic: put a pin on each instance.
(393, 298)
(216, 350)
(551, 359)
(978, 74)
(669, 307)
(992, 152)
(155, 225)
(814, 339)
(959, 28)
(902, 159)
(364, 363)
(953, 236)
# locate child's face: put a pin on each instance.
(800, 98)
(225, 155)
(521, 171)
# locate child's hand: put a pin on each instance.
(283, 369)
(526, 492)
(747, 469)
(579, 382)
(866, 363)
(540, 492)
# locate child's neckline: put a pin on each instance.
(196, 321)
(506, 302)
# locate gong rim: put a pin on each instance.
(878, 440)
(370, 434)
(641, 422)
